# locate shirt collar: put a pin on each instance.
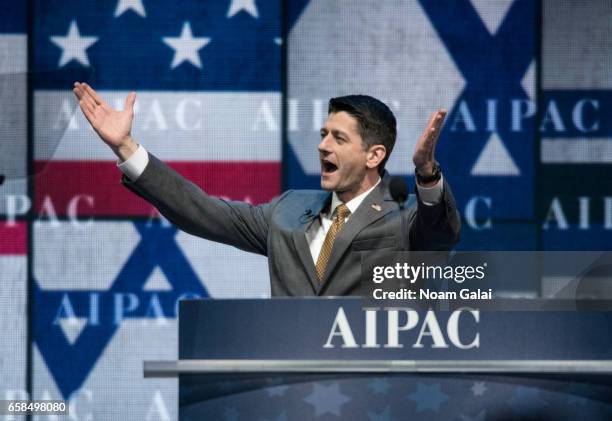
(352, 204)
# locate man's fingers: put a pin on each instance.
(78, 90)
(431, 120)
(77, 93)
(85, 105)
(426, 146)
(129, 101)
(89, 101)
(432, 131)
(82, 95)
(89, 90)
(439, 117)
(88, 113)
(436, 130)
(434, 123)
(438, 121)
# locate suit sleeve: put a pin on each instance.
(238, 224)
(436, 227)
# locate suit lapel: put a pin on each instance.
(376, 205)
(299, 238)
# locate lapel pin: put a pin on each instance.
(376, 207)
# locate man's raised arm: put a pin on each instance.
(188, 207)
(436, 224)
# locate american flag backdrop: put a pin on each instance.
(208, 79)
(107, 271)
(13, 195)
(232, 93)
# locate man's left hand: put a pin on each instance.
(423, 157)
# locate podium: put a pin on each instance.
(321, 358)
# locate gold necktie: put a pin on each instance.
(342, 211)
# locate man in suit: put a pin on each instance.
(314, 240)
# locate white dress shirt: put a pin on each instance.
(315, 235)
(135, 164)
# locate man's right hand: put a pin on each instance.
(113, 127)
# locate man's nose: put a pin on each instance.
(324, 144)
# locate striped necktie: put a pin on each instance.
(342, 211)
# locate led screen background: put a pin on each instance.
(91, 275)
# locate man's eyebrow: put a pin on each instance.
(341, 133)
(334, 131)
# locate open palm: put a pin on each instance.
(113, 127)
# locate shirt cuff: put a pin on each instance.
(431, 196)
(135, 164)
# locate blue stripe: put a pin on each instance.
(13, 18)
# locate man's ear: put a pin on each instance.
(375, 155)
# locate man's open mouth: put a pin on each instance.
(327, 167)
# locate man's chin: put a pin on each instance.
(326, 184)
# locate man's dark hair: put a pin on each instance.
(377, 125)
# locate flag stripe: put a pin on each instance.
(13, 53)
(59, 183)
(13, 239)
(185, 126)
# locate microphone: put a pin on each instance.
(399, 190)
(306, 216)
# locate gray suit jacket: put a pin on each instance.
(277, 229)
